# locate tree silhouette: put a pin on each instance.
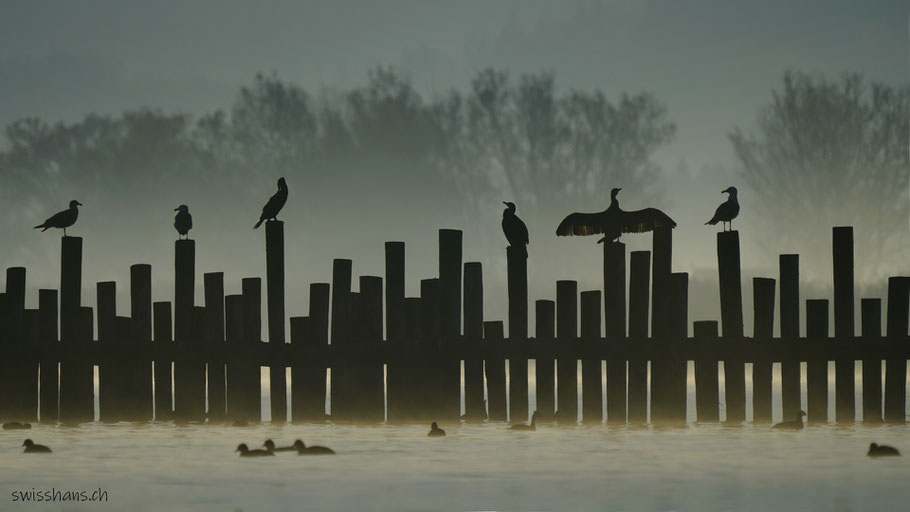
(832, 152)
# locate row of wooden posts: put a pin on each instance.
(414, 373)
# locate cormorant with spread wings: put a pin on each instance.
(613, 221)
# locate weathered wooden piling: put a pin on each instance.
(679, 330)
(591, 376)
(47, 318)
(762, 332)
(424, 379)
(545, 329)
(235, 373)
(896, 365)
(473, 334)
(342, 324)
(308, 375)
(731, 314)
(450, 282)
(110, 371)
(213, 284)
(615, 327)
(184, 288)
(140, 337)
(76, 324)
(368, 402)
(871, 311)
(567, 362)
(163, 338)
(189, 370)
(274, 278)
(639, 287)
(518, 331)
(394, 291)
(817, 361)
(249, 368)
(844, 368)
(496, 373)
(707, 393)
(662, 257)
(19, 400)
(70, 286)
(789, 334)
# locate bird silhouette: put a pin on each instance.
(270, 446)
(63, 219)
(796, 424)
(727, 211)
(303, 449)
(532, 426)
(31, 447)
(435, 431)
(613, 221)
(246, 452)
(275, 204)
(515, 230)
(183, 221)
(882, 450)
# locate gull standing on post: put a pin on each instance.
(63, 219)
(727, 211)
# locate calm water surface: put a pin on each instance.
(477, 467)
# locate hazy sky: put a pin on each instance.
(713, 63)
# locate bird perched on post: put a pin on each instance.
(727, 211)
(183, 221)
(275, 204)
(613, 221)
(515, 230)
(63, 219)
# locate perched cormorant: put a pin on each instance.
(31, 447)
(796, 424)
(183, 221)
(246, 452)
(435, 431)
(63, 219)
(515, 230)
(532, 426)
(303, 449)
(275, 204)
(877, 450)
(15, 425)
(270, 446)
(613, 221)
(727, 211)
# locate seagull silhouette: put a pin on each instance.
(727, 211)
(183, 221)
(275, 204)
(63, 219)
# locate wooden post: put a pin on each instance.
(567, 364)
(20, 374)
(518, 331)
(844, 369)
(76, 374)
(639, 300)
(308, 376)
(662, 241)
(394, 290)
(141, 336)
(817, 362)
(70, 286)
(473, 333)
(707, 396)
(423, 378)
(189, 370)
(731, 313)
(274, 273)
(545, 329)
(871, 310)
(47, 313)
(234, 323)
(184, 288)
(789, 333)
(763, 332)
(615, 327)
(896, 366)
(110, 369)
(163, 340)
(591, 377)
(679, 325)
(342, 322)
(135, 373)
(250, 385)
(449, 373)
(213, 283)
(28, 367)
(370, 399)
(496, 373)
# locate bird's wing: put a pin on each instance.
(58, 219)
(639, 221)
(581, 224)
(725, 212)
(523, 231)
(274, 205)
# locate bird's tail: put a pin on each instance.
(258, 223)
(711, 222)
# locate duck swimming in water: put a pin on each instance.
(796, 424)
(246, 452)
(31, 447)
(435, 431)
(877, 450)
(15, 425)
(532, 426)
(303, 449)
(270, 446)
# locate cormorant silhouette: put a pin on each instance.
(303, 449)
(270, 446)
(881, 450)
(246, 452)
(275, 204)
(727, 211)
(183, 221)
(515, 230)
(435, 431)
(796, 424)
(31, 447)
(613, 221)
(532, 426)
(63, 219)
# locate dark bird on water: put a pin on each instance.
(183, 221)
(515, 230)
(246, 452)
(881, 450)
(15, 425)
(31, 447)
(613, 221)
(63, 219)
(303, 449)
(796, 424)
(435, 431)
(275, 204)
(727, 211)
(270, 446)
(532, 426)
